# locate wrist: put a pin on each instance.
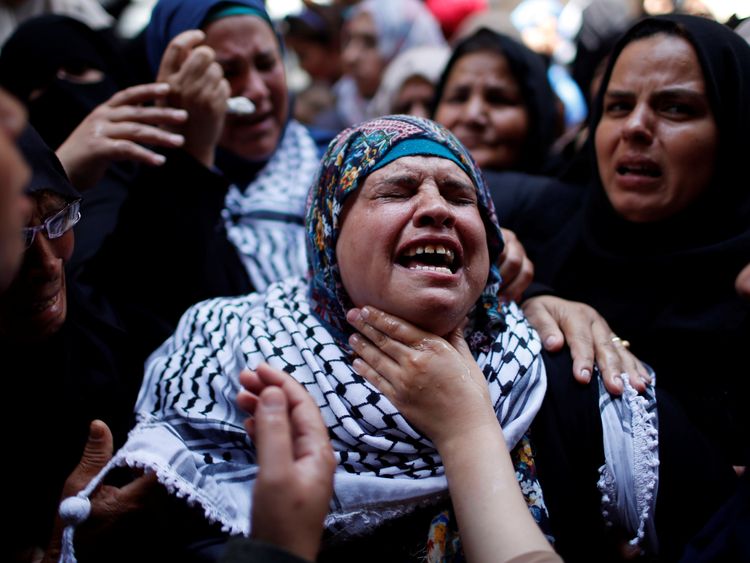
(483, 431)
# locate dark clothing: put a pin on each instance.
(667, 286)
(535, 208)
(243, 550)
(55, 389)
(170, 249)
(567, 434)
(727, 535)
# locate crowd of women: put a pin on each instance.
(440, 320)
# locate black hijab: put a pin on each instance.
(47, 173)
(530, 72)
(30, 61)
(723, 211)
(668, 286)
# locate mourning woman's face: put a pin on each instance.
(250, 56)
(35, 306)
(483, 106)
(657, 141)
(413, 243)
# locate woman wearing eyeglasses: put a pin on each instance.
(66, 357)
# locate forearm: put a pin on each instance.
(493, 518)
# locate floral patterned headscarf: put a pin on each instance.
(350, 158)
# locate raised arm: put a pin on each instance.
(295, 458)
(117, 130)
(439, 388)
(197, 85)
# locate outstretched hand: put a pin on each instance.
(108, 503)
(117, 130)
(590, 339)
(428, 379)
(296, 463)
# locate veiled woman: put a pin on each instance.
(658, 245)
(402, 248)
(226, 210)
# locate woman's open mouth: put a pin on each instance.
(430, 257)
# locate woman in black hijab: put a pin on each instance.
(666, 228)
(67, 358)
(519, 119)
(77, 89)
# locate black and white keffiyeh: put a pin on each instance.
(190, 431)
(265, 219)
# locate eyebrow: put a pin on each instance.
(236, 56)
(457, 184)
(672, 92)
(411, 179)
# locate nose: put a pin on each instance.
(475, 109)
(350, 55)
(638, 125)
(255, 87)
(433, 210)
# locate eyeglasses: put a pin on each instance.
(55, 226)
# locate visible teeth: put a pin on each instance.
(430, 249)
(42, 305)
(440, 269)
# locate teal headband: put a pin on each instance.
(418, 147)
(227, 10)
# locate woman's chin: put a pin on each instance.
(434, 317)
(46, 319)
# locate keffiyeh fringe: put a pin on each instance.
(629, 478)
(190, 431)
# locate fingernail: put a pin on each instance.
(354, 340)
(96, 431)
(176, 139)
(162, 88)
(179, 114)
(159, 159)
(364, 313)
(550, 341)
(352, 315)
(272, 401)
(357, 364)
(586, 374)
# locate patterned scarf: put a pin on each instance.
(264, 221)
(190, 431)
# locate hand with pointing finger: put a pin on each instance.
(296, 464)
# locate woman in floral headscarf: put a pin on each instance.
(401, 293)
(436, 269)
